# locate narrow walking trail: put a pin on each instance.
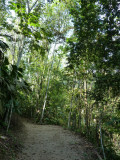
(49, 142)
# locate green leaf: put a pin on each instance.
(6, 62)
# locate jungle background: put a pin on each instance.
(60, 64)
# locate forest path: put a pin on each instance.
(50, 142)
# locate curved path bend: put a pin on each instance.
(49, 142)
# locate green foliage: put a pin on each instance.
(96, 43)
(10, 82)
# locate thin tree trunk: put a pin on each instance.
(21, 46)
(97, 133)
(42, 77)
(71, 104)
(101, 140)
(86, 107)
(11, 110)
(79, 115)
(49, 77)
(6, 115)
(79, 108)
(69, 117)
(23, 39)
(13, 53)
(100, 127)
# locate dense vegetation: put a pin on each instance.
(60, 64)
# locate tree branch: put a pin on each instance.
(9, 36)
(33, 5)
(28, 6)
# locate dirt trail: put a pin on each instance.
(48, 142)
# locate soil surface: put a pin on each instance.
(50, 142)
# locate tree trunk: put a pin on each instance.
(11, 110)
(69, 117)
(86, 107)
(100, 127)
(101, 140)
(49, 77)
(79, 108)
(71, 103)
(21, 46)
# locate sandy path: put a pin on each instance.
(48, 142)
